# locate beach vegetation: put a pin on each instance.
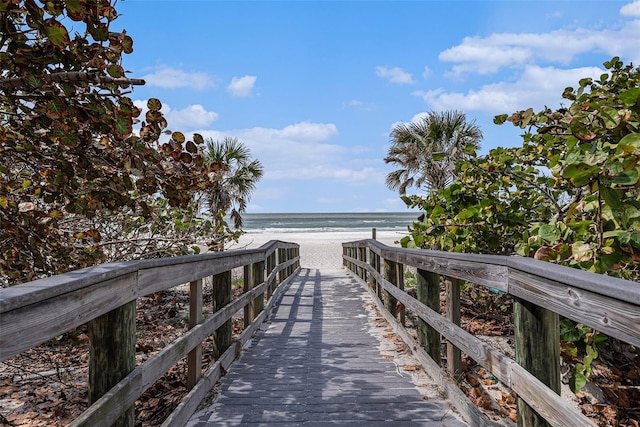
(233, 179)
(569, 194)
(426, 151)
(85, 175)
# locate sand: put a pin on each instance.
(321, 250)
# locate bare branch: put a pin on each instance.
(72, 76)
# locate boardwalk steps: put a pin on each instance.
(317, 364)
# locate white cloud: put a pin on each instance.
(631, 9)
(242, 86)
(190, 117)
(487, 55)
(426, 73)
(302, 152)
(394, 75)
(172, 78)
(536, 87)
(308, 131)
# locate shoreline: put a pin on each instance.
(321, 249)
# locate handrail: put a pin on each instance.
(37, 311)
(604, 303)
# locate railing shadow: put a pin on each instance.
(318, 363)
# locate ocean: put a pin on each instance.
(326, 222)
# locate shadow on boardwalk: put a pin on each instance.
(317, 364)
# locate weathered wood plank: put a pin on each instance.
(469, 411)
(189, 404)
(428, 293)
(607, 304)
(48, 318)
(156, 279)
(545, 401)
(614, 317)
(125, 393)
(554, 410)
(112, 355)
(494, 361)
(452, 291)
(537, 337)
(194, 358)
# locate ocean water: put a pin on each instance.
(327, 222)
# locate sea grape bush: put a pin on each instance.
(70, 158)
(568, 195)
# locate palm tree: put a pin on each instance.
(234, 179)
(427, 150)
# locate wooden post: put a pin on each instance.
(194, 358)
(428, 293)
(281, 273)
(258, 278)
(537, 337)
(379, 270)
(112, 354)
(221, 297)
(275, 283)
(454, 357)
(344, 253)
(247, 285)
(372, 261)
(373, 233)
(390, 276)
(400, 276)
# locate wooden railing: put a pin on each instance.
(104, 297)
(542, 293)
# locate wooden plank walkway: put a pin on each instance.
(317, 364)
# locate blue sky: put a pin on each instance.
(314, 87)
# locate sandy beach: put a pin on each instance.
(322, 250)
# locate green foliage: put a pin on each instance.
(568, 195)
(69, 155)
(583, 343)
(593, 152)
(480, 212)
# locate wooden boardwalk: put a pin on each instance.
(317, 364)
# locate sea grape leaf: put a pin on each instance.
(629, 177)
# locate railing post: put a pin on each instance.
(247, 285)
(400, 276)
(221, 297)
(390, 273)
(428, 293)
(257, 277)
(271, 265)
(362, 256)
(379, 270)
(281, 274)
(194, 358)
(344, 253)
(372, 262)
(452, 291)
(112, 354)
(537, 338)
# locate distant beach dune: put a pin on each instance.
(322, 250)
